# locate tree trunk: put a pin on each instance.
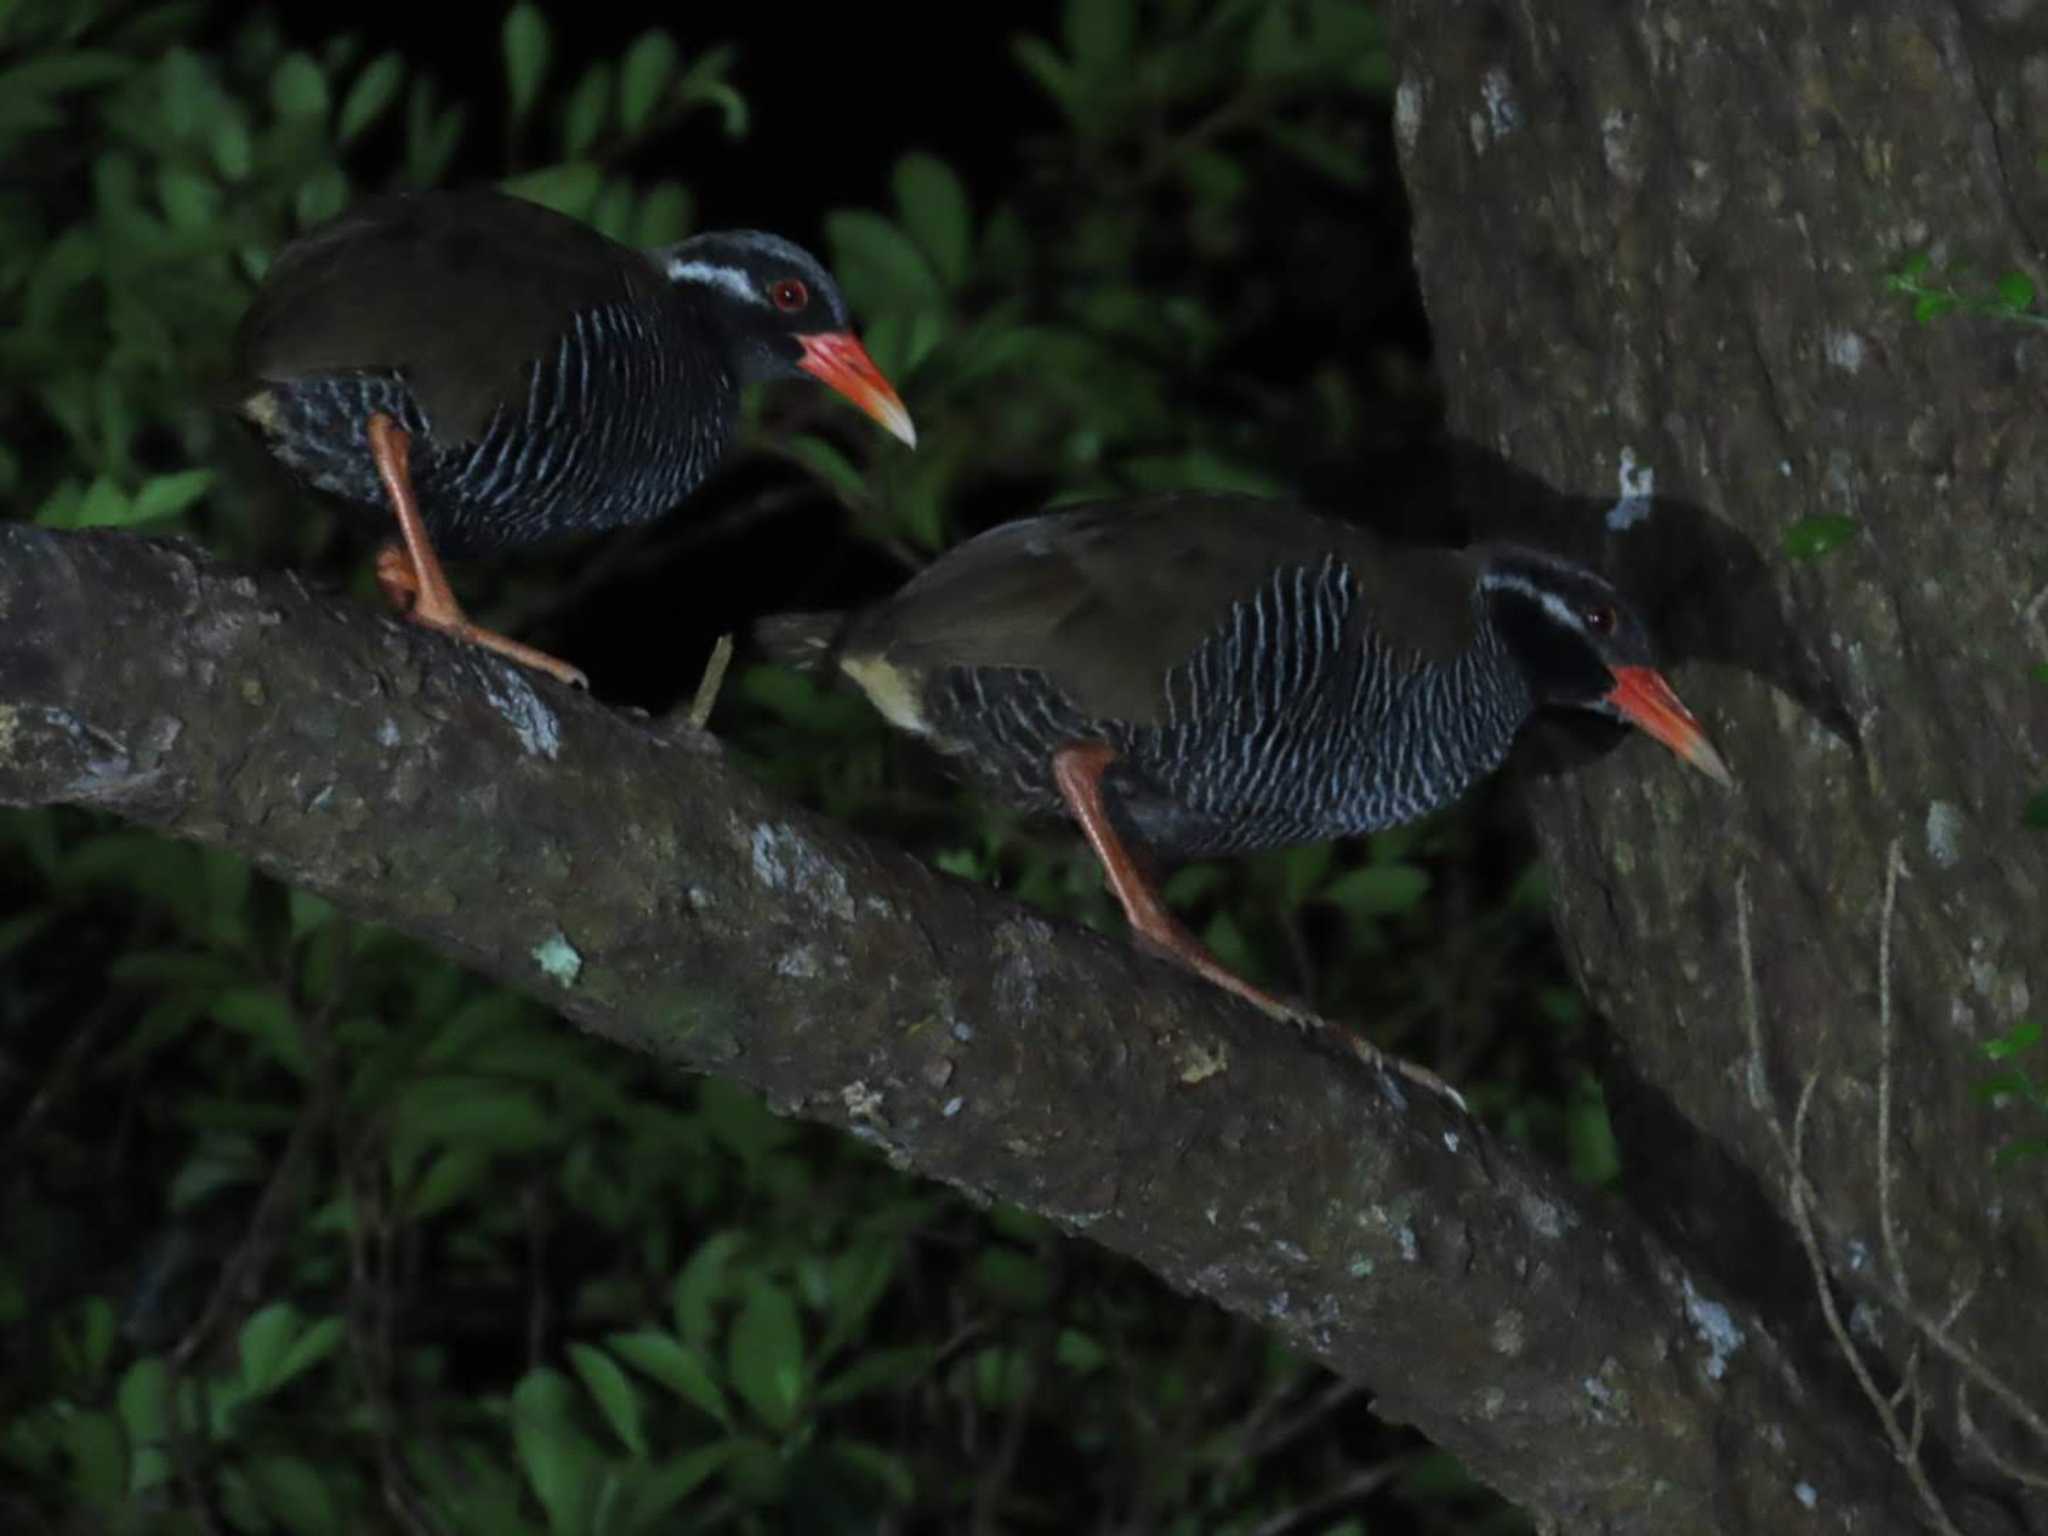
(1654, 242)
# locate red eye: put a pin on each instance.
(789, 295)
(1599, 620)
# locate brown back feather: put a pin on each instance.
(463, 290)
(1108, 598)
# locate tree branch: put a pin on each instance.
(622, 871)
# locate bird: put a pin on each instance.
(1198, 675)
(491, 373)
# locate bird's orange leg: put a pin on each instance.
(410, 572)
(1077, 770)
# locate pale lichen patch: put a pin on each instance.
(1409, 100)
(1717, 1330)
(1201, 1060)
(860, 1101)
(783, 860)
(1944, 833)
(1509, 1334)
(558, 959)
(512, 696)
(1503, 112)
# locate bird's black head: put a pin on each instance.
(780, 314)
(1581, 645)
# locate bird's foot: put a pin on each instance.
(504, 645)
(1386, 1061)
(423, 605)
(1303, 1018)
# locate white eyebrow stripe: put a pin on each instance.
(1552, 604)
(711, 275)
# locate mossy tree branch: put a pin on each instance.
(623, 871)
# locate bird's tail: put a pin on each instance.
(806, 641)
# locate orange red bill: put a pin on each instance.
(1646, 700)
(837, 359)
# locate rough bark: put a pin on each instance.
(625, 873)
(1653, 240)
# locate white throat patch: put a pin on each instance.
(710, 275)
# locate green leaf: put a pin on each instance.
(431, 135)
(1101, 34)
(664, 215)
(1812, 537)
(1595, 1154)
(191, 201)
(1341, 163)
(265, 1339)
(1013, 1278)
(168, 495)
(676, 1481)
(935, 211)
(234, 155)
(265, 1015)
(2016, 291)
(143, 1402)
(290, 1488)
(882, 1370)
(612, 211)
(589, 105)
(2040, 673)
(885, 1467)
(766, 1355)
(704, 83)
(644, 76)
(105, 505)
(569, 188)
(2023, 1036)
(878, 265)
(559, 1461)
(1001, 1376)
(681, 1368)
(319, 1341)
(454, 1174)
(219, 1162)
(2035, 813)
(2014, 1084)
(525, 39)
(298, 91)
(375, 89)
(99, 1460)
(615, 1394)
(321, 196)
(1380, 890)
(1930, 307)
(1078, 1352)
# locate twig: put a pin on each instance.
(1325, 1403)
(1361, 1484)
(1904, 1446)
(709, 684)
(1936, 1331)
(1894, 1256)
(1985, 1448)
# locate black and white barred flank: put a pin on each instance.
(1292, 721)
(598, 442)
